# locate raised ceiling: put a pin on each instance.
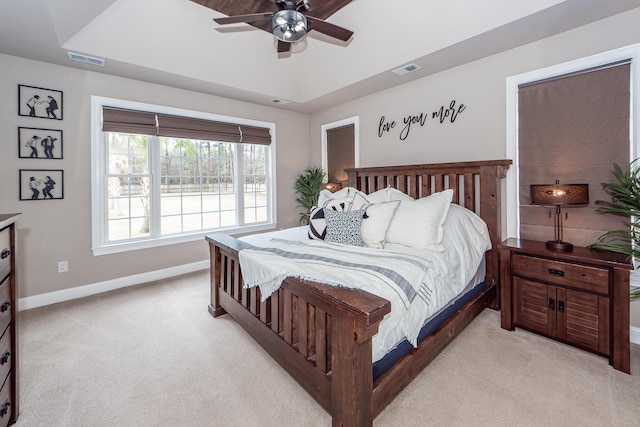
(319, 9)
(176, 43)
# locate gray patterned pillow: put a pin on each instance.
(344, 227)
(317, 223)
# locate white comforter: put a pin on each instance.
(418, 283)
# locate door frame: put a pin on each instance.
(355, 121)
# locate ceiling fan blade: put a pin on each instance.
(253, 17)
(283, 46)
(329, 28)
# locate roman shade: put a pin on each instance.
(149, 123)
(128, 121)
(573, 128)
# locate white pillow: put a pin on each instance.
(375, 223)
(359, 200)
(395, 194)
(378, 196)
(418, 223)
(344, 193)
(343, 204)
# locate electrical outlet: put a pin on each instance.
(63, 266)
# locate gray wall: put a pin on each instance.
(479, 132)
(50, 231)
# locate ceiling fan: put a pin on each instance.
(289, 25)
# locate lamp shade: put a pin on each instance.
(289, 26)
(556, 194)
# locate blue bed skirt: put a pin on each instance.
(404, 348)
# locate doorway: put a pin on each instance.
(340, 149)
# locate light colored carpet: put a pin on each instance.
(152, 355)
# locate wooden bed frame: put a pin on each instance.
(321, 334)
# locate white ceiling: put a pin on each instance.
(176, 43)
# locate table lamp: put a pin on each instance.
(332, 186)
(559, 195)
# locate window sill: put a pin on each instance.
(173, 240)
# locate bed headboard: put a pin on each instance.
(476, 186)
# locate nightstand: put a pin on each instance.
(580, 298)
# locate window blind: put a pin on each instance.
(149, 123)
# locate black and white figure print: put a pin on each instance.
(37, 143)
(41, 184)
(39, 102)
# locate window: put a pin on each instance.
(164, 176)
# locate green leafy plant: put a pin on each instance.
(625, 201)
(308, 185)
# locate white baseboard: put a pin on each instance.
(41, 300)
(634, 337)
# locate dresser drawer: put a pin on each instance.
(5, 305)
(588, 278)
(6, 402)
(5, 252)
(5, 354)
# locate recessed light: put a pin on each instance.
(409, 68)
(279, 101)
(86, 59)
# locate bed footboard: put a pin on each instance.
(320, 334)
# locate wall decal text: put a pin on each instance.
(442, 114)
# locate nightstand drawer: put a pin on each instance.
(584, 277)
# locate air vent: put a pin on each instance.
(279, 101)
(409, 68)
(86, 59)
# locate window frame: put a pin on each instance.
(99, 192)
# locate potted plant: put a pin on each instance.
(308, 185)
(625, 200)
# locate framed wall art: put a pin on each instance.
(37, 143)
(39, 102)
(41, 184)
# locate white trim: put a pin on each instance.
(634, 336)
(184, 238)
(629, 52)
(355, 121)
(41, 300)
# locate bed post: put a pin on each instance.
(215, 269)
(352, 381)
(491, 213)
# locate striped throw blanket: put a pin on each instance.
(403, 278)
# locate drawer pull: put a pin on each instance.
(5, 253)
(4, 410)
(560, 306)
(557, 273)
(5, 306)
(5, 357)
(551, 304)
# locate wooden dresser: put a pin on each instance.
(579, 297)
(8, 330)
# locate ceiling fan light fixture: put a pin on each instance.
(289, 26)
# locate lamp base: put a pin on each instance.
(559, 246)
